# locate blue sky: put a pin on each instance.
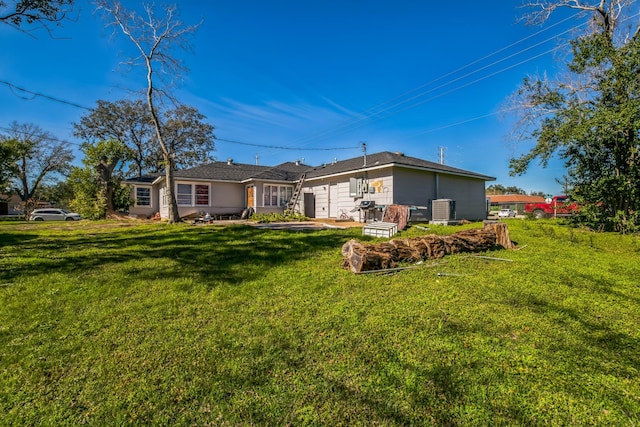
(319, 77)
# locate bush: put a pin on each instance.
(596, 217)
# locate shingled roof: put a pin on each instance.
(387, 158)
(291, 172)
(288, 171)
(222, 171)
(144, 179)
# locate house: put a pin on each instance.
(10, 205)
(514, 202)
(332, 190)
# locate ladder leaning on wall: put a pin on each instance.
(291, 204)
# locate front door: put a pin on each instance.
(250, 197)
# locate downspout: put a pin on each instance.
(437, 185)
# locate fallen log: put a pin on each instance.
(359, 257)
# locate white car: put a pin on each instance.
(51, 214)
(506, 213)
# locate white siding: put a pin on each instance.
(333, 200)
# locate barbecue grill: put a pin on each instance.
(366, 208)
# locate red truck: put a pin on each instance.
(559, 206)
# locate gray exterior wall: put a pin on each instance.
(468, 193)
(414, 187)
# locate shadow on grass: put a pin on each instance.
(211, 255)
(590, 346)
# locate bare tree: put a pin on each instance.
(605, 13)
(155, 40)
(43, 13)
(39, 157)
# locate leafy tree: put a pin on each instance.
(39, 159)
(591, 117)
(497, 189)
(154, 39)
(126, 121)
(187, 136)
(88, 200)
(97, 186)
(512, 189)
(8, 157)
(186, 133)
(58, 194)
(27, 12)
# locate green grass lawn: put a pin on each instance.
(121, 324)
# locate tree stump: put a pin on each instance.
(359, 257)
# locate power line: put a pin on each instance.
(49, 136)
(14, 88)
(376, 112)
(479, 60)
(280, 147)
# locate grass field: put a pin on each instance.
(126, 324)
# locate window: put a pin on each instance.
(285, 195)
(183, 196)
(202, 195)
(192, 194)
(274, 195)
(143, 196)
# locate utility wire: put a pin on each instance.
(376, 113)
(280, 147)
(33, 94)
(477, 61)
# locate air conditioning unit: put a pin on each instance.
(443, 210)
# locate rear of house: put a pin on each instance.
(338, 189)
(333, 190)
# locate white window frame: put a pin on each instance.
(280, 196)
(190, 194)
(193, 199)
(195, 194)
(143, 187)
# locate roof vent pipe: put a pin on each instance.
(229, 161)
(297, 162)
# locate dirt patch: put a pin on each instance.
(339, 223)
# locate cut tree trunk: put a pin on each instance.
(376, 256)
